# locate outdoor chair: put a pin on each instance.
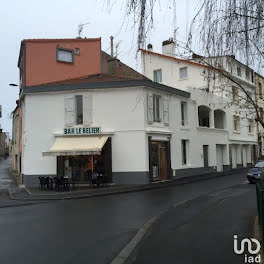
(72, 182)
(42, 183)
(65, 184)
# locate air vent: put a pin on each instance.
(77, 51)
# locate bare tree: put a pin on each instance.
(232, 27)
(221, 27)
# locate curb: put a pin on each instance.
(126, 252)
(19, 205)
(166, 184)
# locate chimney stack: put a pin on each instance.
(112, 46)
(150, 48)
(168, 47)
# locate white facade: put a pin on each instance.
(227, 147)
(121, 113)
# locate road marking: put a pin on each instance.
(245, 182)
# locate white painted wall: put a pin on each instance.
(114, 110)
(214, 99)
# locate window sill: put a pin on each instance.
(156, 124)
(236, 132)
(188, 166)
(183, 79)
(66, 62)
(251, 134)
(184, 127)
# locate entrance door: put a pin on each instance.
(158, 160)
(219, 157)
(163, 163)
(205, 155)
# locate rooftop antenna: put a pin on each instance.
(80, 28)
(117, 45)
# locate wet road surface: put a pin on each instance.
(201, 230)
(90, 230)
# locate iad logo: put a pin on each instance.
(253, 249)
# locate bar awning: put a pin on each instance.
(76, 145)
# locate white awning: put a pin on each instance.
(76, 145)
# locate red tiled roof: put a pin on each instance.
(100, 77)
(174, 58)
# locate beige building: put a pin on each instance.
(260, 100)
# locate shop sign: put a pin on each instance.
(81, 130)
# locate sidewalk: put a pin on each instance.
(34, 194)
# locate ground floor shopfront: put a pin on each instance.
(136, 158)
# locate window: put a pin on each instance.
(65, 55)
(204, 116)
(185, 151)
(235, 94)
(261, 113)
(229, 66)
(183, 73)
(247, 75)
(239, 71)
(250, 126)
(184, 117)
(219, 119)
(156, 108)
(157, 76)
(260, 90)
(79, 109)
(236, 123)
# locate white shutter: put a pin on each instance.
(87, 109)
(165, 112)
(69, 111)
(161, 109)
(150, 108)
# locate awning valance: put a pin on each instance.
(77, 145)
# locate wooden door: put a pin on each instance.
(163, 161)
(205, 155)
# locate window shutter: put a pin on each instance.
(161, 109)
(150, 108)
(87, 110)
(69, 111)
(165, 112)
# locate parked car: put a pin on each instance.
(254, 173)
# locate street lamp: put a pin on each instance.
(13, 84)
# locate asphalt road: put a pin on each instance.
(201, 230)
(95, 230)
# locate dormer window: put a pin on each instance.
(65, 55)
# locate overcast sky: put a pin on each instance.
(60, 19)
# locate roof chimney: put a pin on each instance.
(150, 48)
(112, 45)
(168, 47)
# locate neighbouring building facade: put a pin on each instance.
(220, 136)
(259, 94)
(15, 140)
